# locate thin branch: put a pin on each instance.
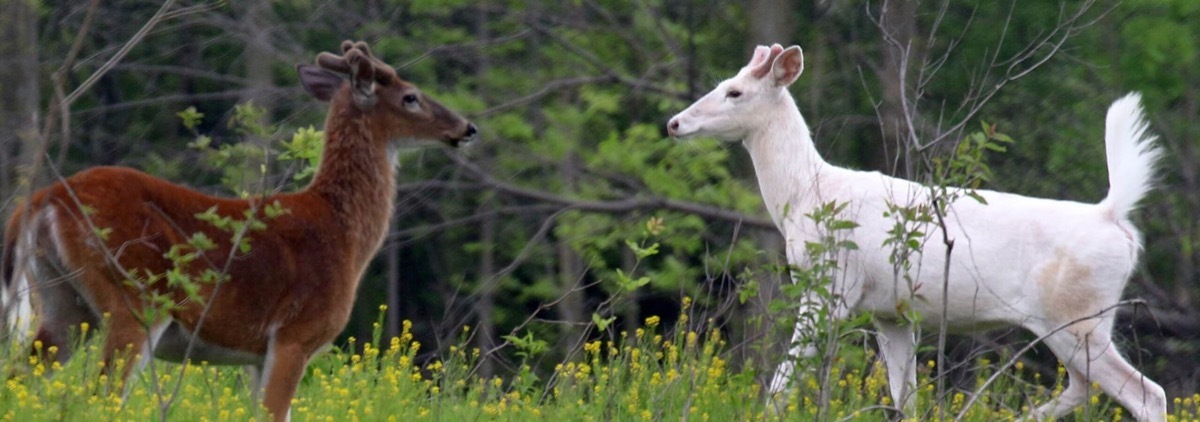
(417, 233)
(547, 88)
(179, 98)
(982, 92)
(624, 205)
(943, 325)
(120, 55)
(599, 64)
(59, 107)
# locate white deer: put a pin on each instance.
(1056, 268)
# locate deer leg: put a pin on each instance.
(898, 350)
(803, 345)
(779, 391)
(1091, 357)
(1073, 396)
(1145, 400)
(800, 346)
(802, 334)
(62, 311)
(257, 382)
(281, 373)
(125, 342)
(127, 337)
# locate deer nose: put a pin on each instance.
(471, 131)
(673, 127)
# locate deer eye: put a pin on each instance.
(410, 99)
(733, 93)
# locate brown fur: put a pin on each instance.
(284, 300)
(1065, 292)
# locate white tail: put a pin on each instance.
(1056, 268)
(1132, 155)
(76, 244)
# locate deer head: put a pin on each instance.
(745, 102)
(374, 89)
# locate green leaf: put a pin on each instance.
(842, 225)
(526, 345)
(201, 142)
(640, 251)
(629, 283)
(306, 145)
(275, 209)
(747, 291)
(210, 216)
(103, 232)
(601, 101)
(190, 117)
(602, 323)
(201, 241)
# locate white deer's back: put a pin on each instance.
(1006, 251)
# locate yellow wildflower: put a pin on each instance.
(652, 321)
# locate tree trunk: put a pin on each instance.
(392, 321)
(570, 308)
(770, 21)
(256, 15)
(899, 22)
(486, 327)
(18, 89)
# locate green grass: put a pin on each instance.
(643, 375)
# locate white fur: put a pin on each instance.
(18, 305)
(1041, 264)
(20, 311)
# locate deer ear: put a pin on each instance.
(760, 56)
(760, 67)
(320, 83)
(362, 78)
(333, 63)
(787, 66)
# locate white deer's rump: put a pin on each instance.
(1006, 253)
(1056, 268)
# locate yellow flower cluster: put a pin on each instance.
(1186, 409)
(661, 371)
(643, 374)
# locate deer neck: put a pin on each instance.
(356, 177)
(786, 163)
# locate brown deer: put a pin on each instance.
(72, 248)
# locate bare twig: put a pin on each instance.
(943, 325)
(624, 205)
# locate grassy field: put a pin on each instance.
(643, 375)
